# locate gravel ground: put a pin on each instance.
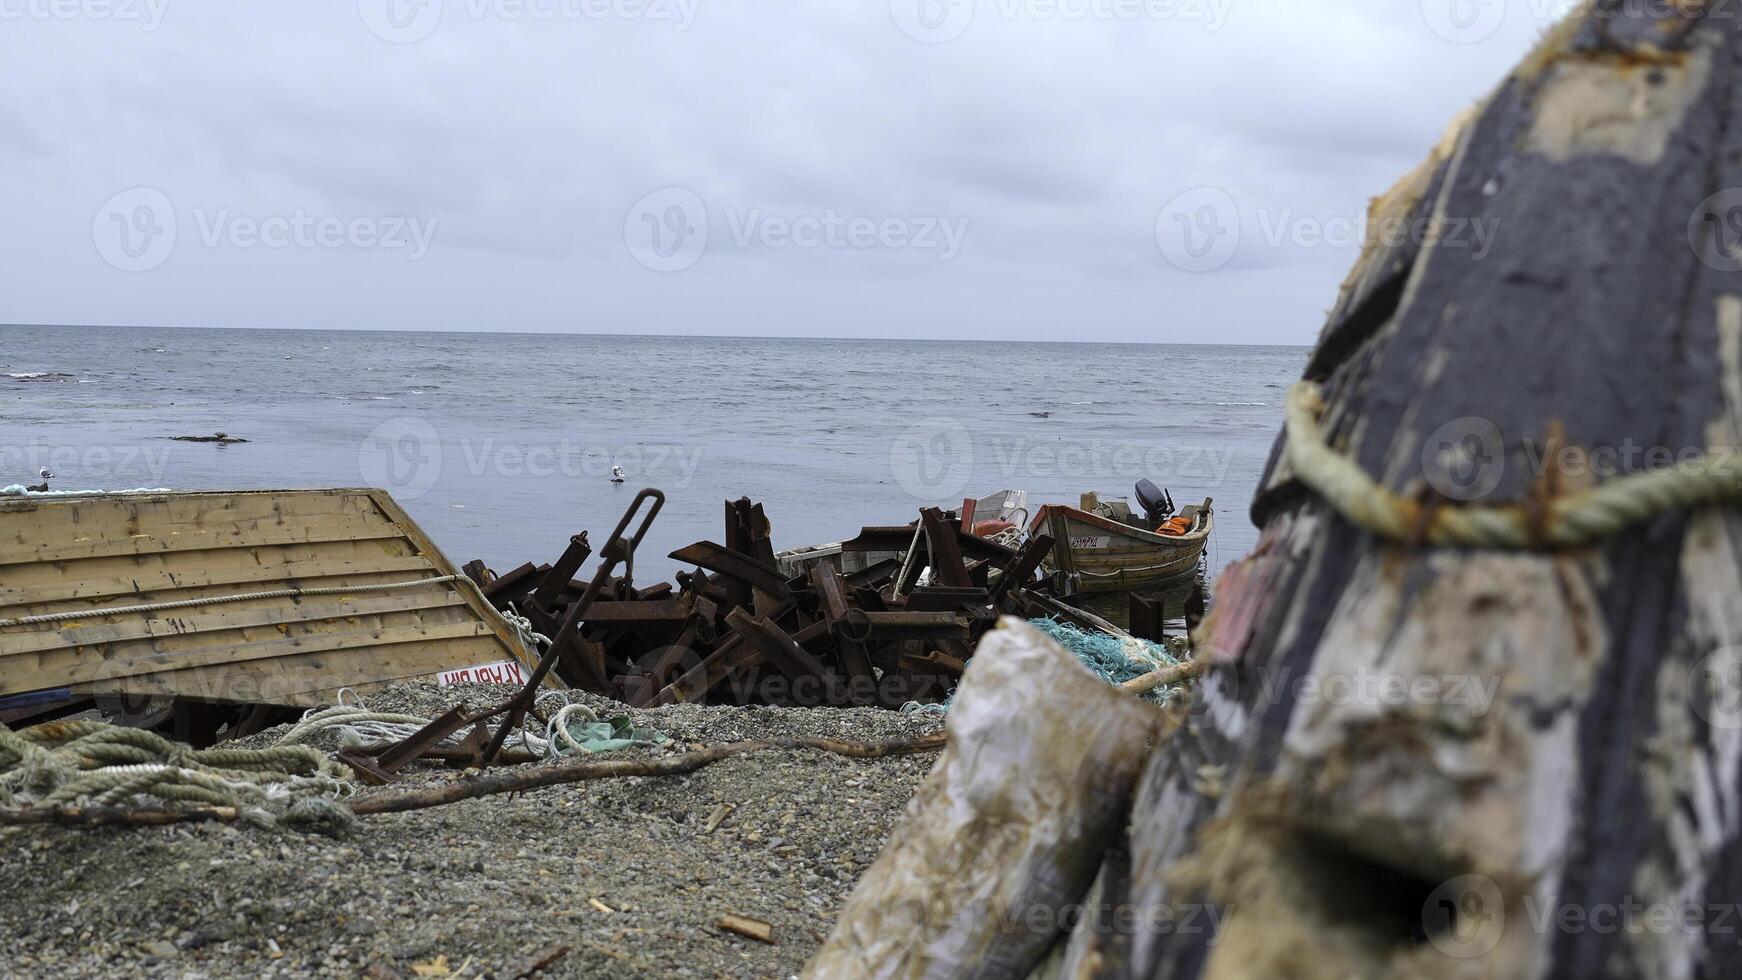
(626, 873)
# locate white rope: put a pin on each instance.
(358, 725)
(560, 741)
(1129, 571)
(1570, 521)
(530, 638)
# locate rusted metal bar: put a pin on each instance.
(852, 627)
(935, 660)
(785, 654)
(873, 575)
(509, 586)
(617, 550)
(639, 612)
(478, 573)
(880, 539)
(891, 626)
(379, 770)
(735, 566)
(1020, 573)
(1146, 617)
(943, 543)
(550, 588)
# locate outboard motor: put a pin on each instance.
(1157, 503)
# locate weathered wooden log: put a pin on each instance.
(1412, 760)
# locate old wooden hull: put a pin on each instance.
(95, 555)
(1093, 554)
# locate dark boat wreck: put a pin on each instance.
(1471, 706)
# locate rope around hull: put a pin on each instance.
(1571, 521)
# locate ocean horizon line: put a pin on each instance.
(941, 341)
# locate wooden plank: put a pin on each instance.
(69, 518)
(247, 534)
(290, 680)
(156, 578)
(200, 623)
(414, 532)
(139, 661)
(88, 554)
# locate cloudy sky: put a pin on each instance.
(1121, 170)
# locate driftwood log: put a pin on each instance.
(1428, 761)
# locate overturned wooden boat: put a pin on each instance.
(1102, 546)
(270, 597)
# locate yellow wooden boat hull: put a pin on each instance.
(91, 555)
(1093, 554)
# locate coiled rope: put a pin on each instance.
(565, 734)
(61, 762)
(1570, 521)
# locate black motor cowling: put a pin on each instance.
(1157, 503)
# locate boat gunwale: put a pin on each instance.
(1108, 524)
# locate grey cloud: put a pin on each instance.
(528, 143)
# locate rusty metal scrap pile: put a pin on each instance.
(739, 631)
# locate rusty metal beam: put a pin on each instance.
(736, 566)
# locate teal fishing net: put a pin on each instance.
(1113, 659)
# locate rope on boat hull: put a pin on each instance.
(1570, 521)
